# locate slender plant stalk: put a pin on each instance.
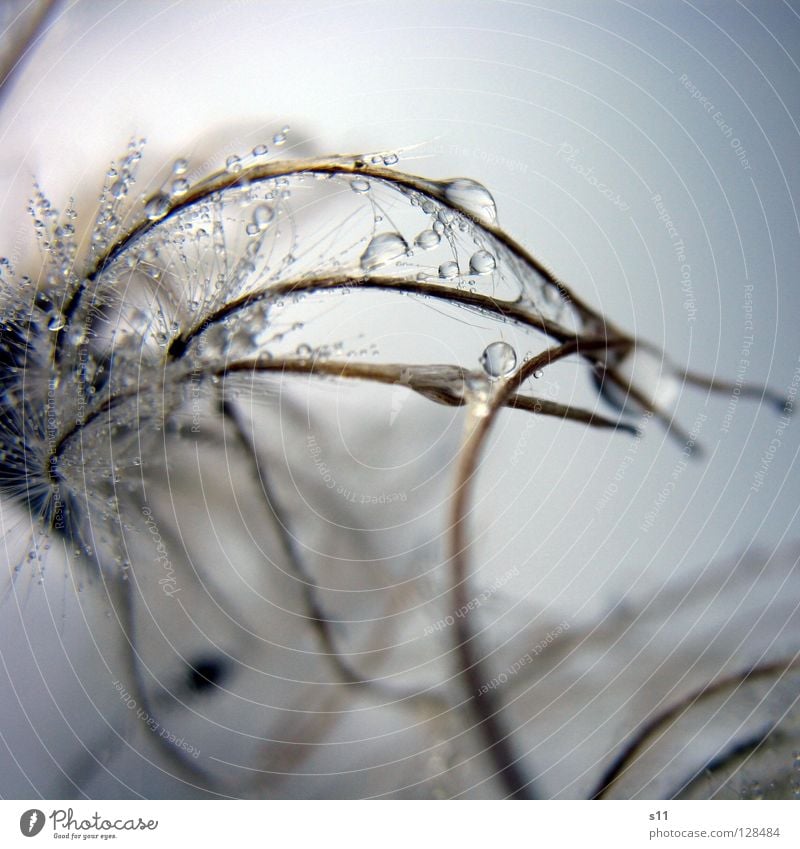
(486, 705)
(638, 743)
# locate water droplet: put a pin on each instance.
(538, 374)
(233, 163)
(448, 270)
(482, 262)
(180, 166)
(262, 216)
(472, 197)
(499, 359)
(180, 187)
(260, 150)
(359, 185)
(428, 239)
(382, 249)
(119, 188)
(279, 138)
(57, 322)
(304, 350)
(157, 206)
(390, 159)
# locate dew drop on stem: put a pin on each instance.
(157, 206)
(472, 197)
(383, 248)
(428, 239)
(499, 359)
(482, 262)
(448, 270)
(179, 187)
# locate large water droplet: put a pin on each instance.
(382, 249)
(482, 262)
(428, 239)
(359, 185)
(448, 270)
(499, 359)
(157, 206)
(472, 197)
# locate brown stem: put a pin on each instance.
(23, 41)
(506, 310)
(748, 390)
(121, 594)
(486, 705)
(317, 616)
(673, 429)
(634, 746)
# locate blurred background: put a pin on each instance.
(645, 151)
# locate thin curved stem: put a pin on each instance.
(673, 429)
(23, 43)
(747, 390)
(507, 310)
(486, 705)
(317, 615)
(332, 165)
(344, 165)
(546, 407)
(188, 769)
(635, 745)
(428, 381)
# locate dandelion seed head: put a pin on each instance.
(210, 291)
